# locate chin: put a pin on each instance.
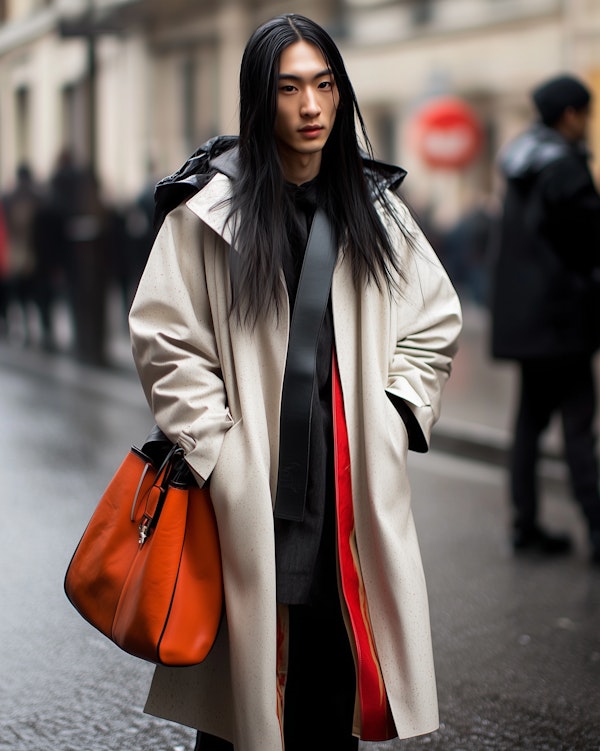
(312, 148)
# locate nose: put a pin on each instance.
(310, 104)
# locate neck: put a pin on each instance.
(300, 168)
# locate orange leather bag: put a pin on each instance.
(147, 570)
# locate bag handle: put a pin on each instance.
(157, 493)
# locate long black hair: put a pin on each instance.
(259, 199)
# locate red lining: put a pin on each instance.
(376, 720)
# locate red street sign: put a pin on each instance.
(447, 133)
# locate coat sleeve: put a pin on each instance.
(428, 322)
(174, 344)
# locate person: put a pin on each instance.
(21, 206)
(325, 636)
(544, 304)
(83, 238)
(466, 248)
(51, 254)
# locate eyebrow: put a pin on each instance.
(293, 77)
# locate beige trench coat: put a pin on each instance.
(216, 390)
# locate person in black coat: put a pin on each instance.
(544, 303)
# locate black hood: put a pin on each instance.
(220, 154)
(193, 175)
(535, 149)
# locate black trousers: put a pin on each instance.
(320, 690)
(563, 386)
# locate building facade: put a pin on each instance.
(133, 86)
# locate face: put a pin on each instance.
(575, 123)
(582, 122)
(307, 100)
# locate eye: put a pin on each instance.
(287, 88)
(326, 85)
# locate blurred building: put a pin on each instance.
(128, 83)
(488, 53)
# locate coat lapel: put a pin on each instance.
(211, 205)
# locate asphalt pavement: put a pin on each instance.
(516, 640)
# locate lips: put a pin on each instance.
(311, 129)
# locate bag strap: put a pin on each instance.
(298, 382)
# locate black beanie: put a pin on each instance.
(554, 96)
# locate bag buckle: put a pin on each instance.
(144, 529)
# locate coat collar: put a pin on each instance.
(211, 205)
(205, 181)
(385, 176)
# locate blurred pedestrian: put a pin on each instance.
(466, 250)
(85, 226)
(21, 205)
(90, 228)
(301, 423)
(545, 304)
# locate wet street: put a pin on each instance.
(517, 641)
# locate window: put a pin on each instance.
(422, 12)
(188, 103)
(75, 127)
(22, 123)
(385, 136)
